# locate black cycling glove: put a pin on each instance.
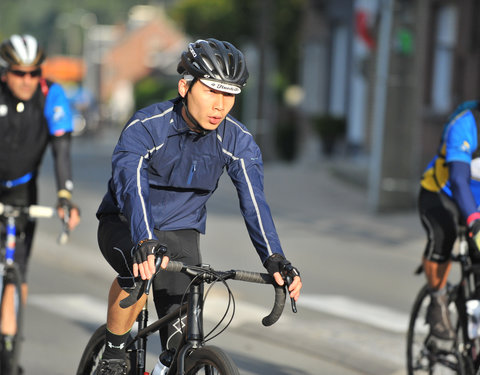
(63, 201)
(148, 247)
(278, 263)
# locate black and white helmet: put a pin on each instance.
(219, 65)
(21, 50)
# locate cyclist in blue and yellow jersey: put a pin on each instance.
(449, 196)
(165, 167)
(33, 114)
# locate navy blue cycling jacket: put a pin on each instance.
(163, 174)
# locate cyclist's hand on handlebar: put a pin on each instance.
(67, 210)
(144, 258)
(281, 269)
(474, 228)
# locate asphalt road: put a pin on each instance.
(357, 270)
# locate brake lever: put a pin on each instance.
(63, 237)
(158, 261)
(289, 280)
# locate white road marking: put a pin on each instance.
(349, 308)
(79, 307)
(85, 308)
(215, 307)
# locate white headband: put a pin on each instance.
(221, 86)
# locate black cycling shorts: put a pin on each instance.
(116, 245)
(440, 218)
(169, 288)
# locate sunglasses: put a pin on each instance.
(21, 73)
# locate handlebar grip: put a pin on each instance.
(279, 304)
(280, 293)
(36, 211)
(254, 277)
(174, 266)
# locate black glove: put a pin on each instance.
(148, 247)
(474, 229)
(278, 263)
(67, 204)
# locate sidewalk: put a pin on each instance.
(317, 192)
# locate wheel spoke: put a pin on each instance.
(426, 354)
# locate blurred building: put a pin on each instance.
(119, 56)
(64, 69)
(394, 69)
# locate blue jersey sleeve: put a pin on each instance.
(460, 183)
(461, 138)
(57, 111)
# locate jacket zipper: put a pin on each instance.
(192, 171)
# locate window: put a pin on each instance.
(443, 57)
(339, 70)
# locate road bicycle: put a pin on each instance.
(9, 270)
(429, 355)
(192, 356)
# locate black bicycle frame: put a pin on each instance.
(194, 336)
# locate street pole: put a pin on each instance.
(379, 104)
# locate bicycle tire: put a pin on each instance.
(427, 355)
(12, 276)
(93, 351)
(210, 360)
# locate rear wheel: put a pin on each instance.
(210, 360)
(425, 353)
(10, 349)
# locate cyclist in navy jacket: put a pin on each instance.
(449, 196)
(165, 167)
(33, 114)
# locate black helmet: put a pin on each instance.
(21, 50)
(217, 64)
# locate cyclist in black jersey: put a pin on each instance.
(33, 114)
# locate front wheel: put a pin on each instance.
(210, 360)
(93, 353)
(425, 353)
(10, 350)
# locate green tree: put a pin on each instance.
(41, 17)
(239, 21)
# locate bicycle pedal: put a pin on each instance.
(435, 344)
